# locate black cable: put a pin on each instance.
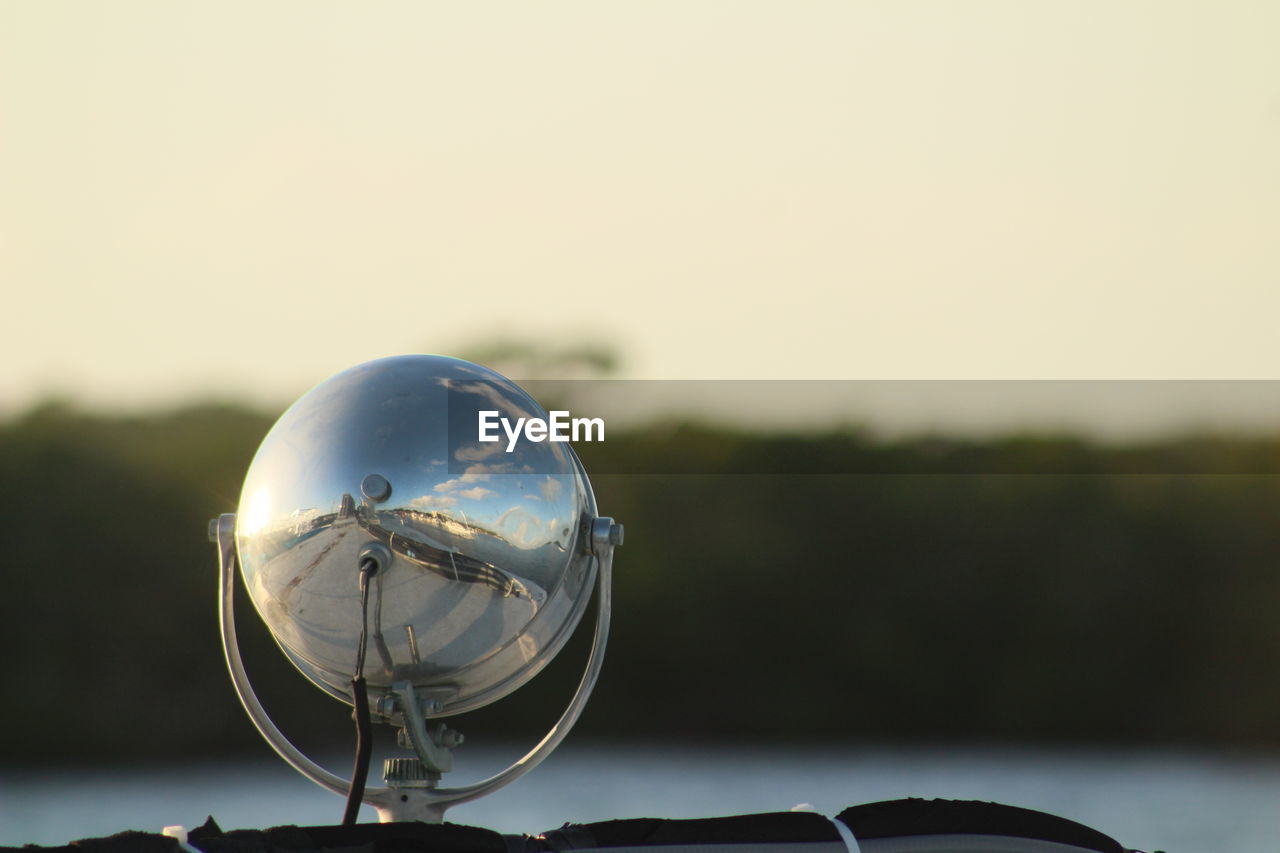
(368, 568)
(360, 697)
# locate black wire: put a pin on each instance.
(360, 697)
(367, 568)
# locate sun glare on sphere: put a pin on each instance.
(257, 512)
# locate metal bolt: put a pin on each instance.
(446, 737)
(376, 488)
(605, 531)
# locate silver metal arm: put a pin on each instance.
(424, 804)
(604, 584)
(231, 650)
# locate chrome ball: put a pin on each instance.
(487, 569)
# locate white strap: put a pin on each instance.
(179, 834)
(850, 843)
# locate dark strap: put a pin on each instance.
(769, 828)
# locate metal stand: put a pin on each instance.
(411, 802)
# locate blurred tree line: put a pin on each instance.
(932, 591)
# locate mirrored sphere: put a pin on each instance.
(489, 570)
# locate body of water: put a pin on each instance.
(1178, 802)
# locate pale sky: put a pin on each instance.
(245, 197)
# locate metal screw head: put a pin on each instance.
(376, 488)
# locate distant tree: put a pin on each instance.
(525, 359)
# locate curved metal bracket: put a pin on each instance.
(424, 804)
(433, 757)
